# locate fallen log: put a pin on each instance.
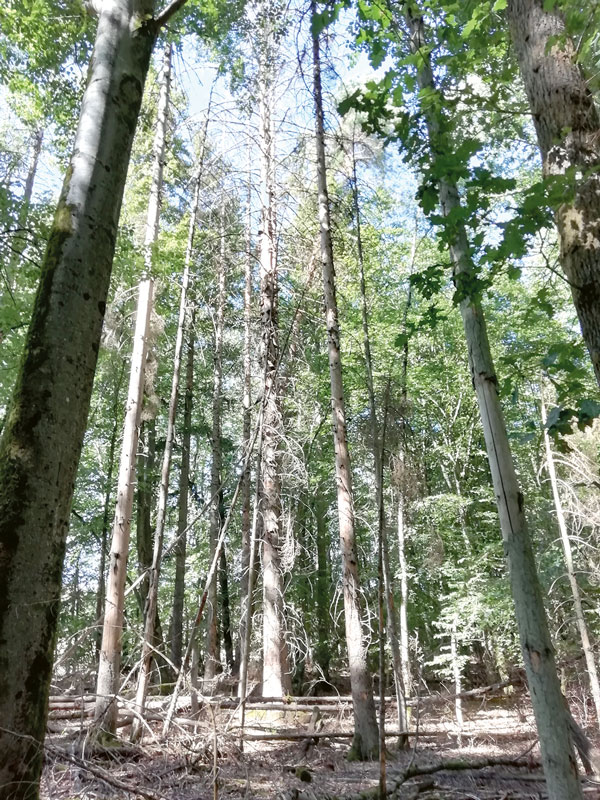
(396, 780)
(294, 736)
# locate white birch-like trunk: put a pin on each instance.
(109, 666)
(550, 712)
(366, 739)
(457, 675)
(152, 227)
(586, 645)
(402, 562)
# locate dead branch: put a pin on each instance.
(60, 755)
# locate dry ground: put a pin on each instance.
(184, 767)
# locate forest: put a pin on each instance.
(299, 370)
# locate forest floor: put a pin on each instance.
(495, 758)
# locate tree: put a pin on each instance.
(110, 658)
(567, 125)
(551, 717)
(365, 743)
(276, 672)
(212, 650)
(42, 438)
(586, 645)
(109, 675)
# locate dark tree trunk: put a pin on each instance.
(43, 434)
(182, 522)
(567, 124)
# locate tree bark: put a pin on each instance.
(378, 459)
(152, 225)
(323, 649)
(246, 415)
(182, 520)
(457, 675)
(225, 606)
(366, 741)
(109, 665)
(551, 715)
(180, 552)
(146, 468)
(43, 434)
(567, 124)
(276, 673)
(404, 650)
(100, 593)
(212, 655)
(586, 645)
(19, 244)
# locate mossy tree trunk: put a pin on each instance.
(567, 124)
(43, 434)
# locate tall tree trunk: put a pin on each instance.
(180, 552)
(567, 124)
(551, 715)
(246, 415)
(378, 457)
(145, 495)
(182, 520)
(145, 499)
(212, 654)
(165, 473)
(252, 568)
(276, 673)
(225, 607)
(586, 645)
(366, 739)
(109, 666)
(20, 238)
(402, 562)
(323, 649)
(100, 593)
(401, 495)
(43, 434)
(457, 675)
